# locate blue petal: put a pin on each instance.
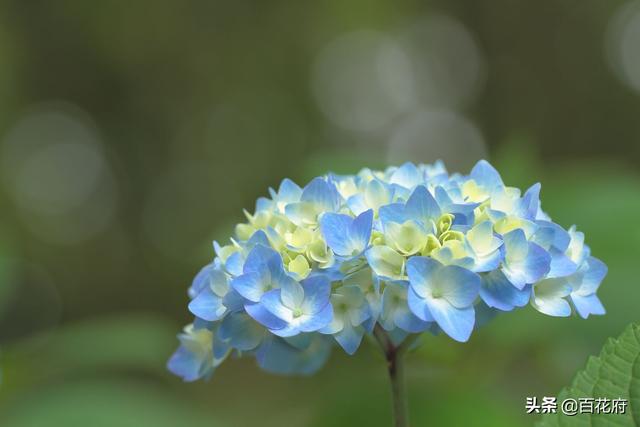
(593, 276)
(201, 280)
(301, 341)
(264, 317)
(455, 322)
(497, 292)
(258, 238)
(185, 364)
(490, 262)
(280, 278)
(291, 294)
(530, 203)
(555, 307)
(409, 322)
(249, 285)
(516, 245)
(360, 231)
(418, 306)
(263, 204)
(458, 285)
(276, 356)
(234, 264)
(407, 176)
(397, 336)
(322, 194)
(335, 231)
(357, 204)
(198, 323)
(317, 291)
(586, 305)
(393, 212)
(207, 305)
(289, 191)
(318, 320)
(221, 350)
(420, 270)
(462, 211)
(288, 331)
(422, 206)
(550, 235)
(302, 213)
(537, 264)
(350, 338)
(233, 301)
(561, 265)
(529, 270)
(241, 331)
(360, 314)
(272, 301)
(485, 175)
(261, 256)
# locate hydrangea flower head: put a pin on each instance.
(410, 249)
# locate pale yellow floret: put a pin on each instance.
(481, 214)
(510, 223)
(576, 245)
(473, 193)
(226, 251)
(362, 278)
(245, 231)
(451, 235)
(263, 220)
(505, 199)
(432, 244)
(300, 266)
(347, 188)
(299, 239)
(319, 252)
(407, 238)
(377, 238)
(444, 223)
(375, 195)
(200, 340)
(387, 262)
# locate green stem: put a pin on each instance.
(395, 366)
(398, 389)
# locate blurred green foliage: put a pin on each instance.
(104, 404)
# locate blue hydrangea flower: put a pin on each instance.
(301, 307)
(350, 311)
(444, 294)
(402, 251)
(346, 236)
(199, 352)
(396, 313)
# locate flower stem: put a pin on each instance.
(395, 365)
(398, 389)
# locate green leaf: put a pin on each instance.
(614, 374)
(634, 391)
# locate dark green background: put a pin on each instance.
(195, 108)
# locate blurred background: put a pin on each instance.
(132, 134)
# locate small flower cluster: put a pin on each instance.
(410, 249)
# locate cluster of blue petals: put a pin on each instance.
(409, 249)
